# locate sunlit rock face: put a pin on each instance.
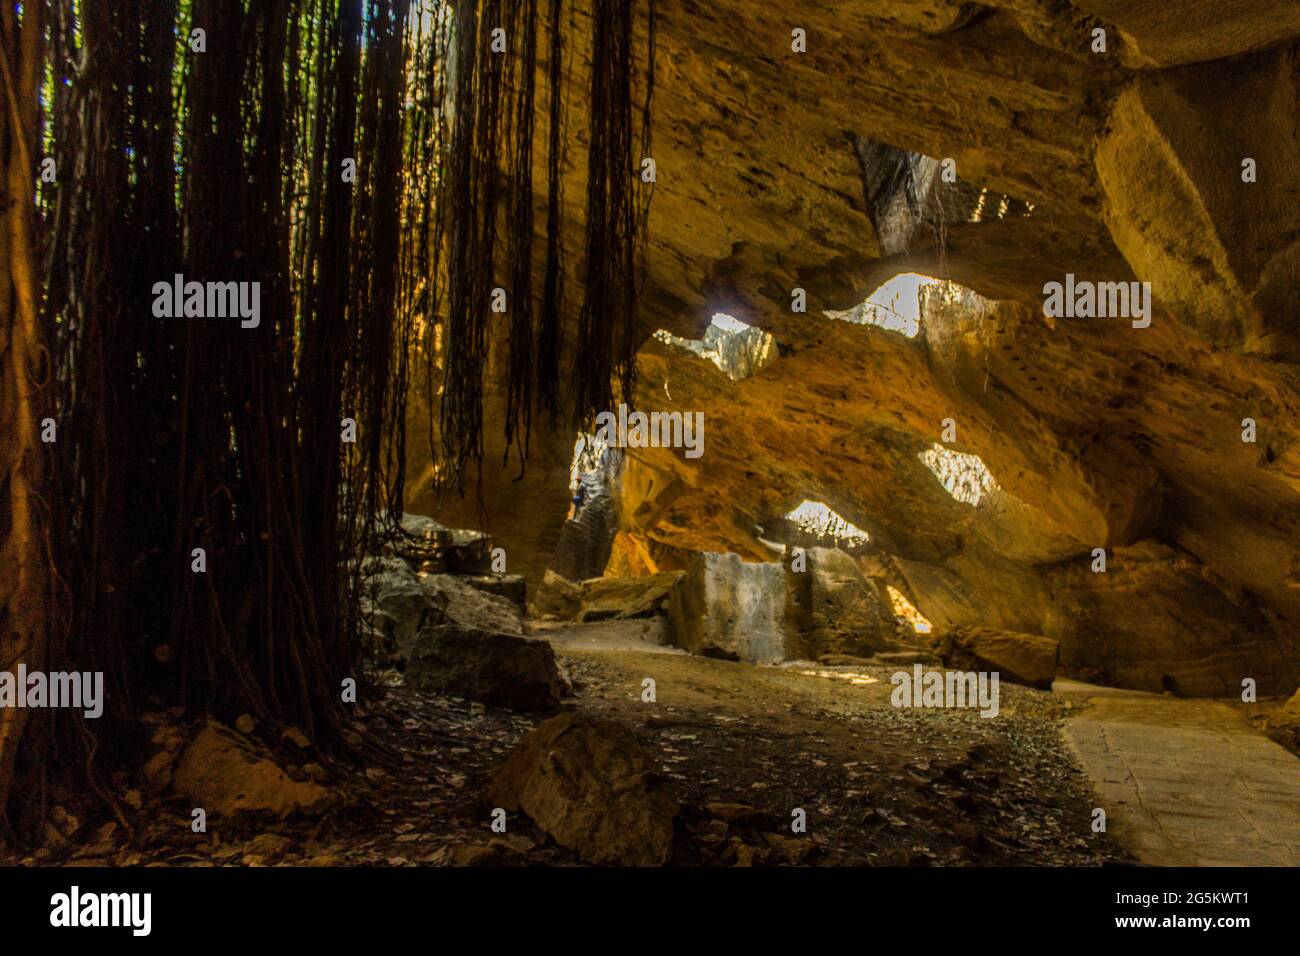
(998, 529)
(820, 603)
(1021, 658)
(1224, 252)
(724, 607)
(1157, 34)
(836, 609)
(1128, 165)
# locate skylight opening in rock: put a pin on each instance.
(962, 476)
(728, 323)
(896, 305)
(991, 205)
(816, 518)
(739, 350)
(903, 608)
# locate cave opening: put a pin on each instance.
(816, 524)
(895, 305)
(738, 350)
(907, 611)
(964, 476)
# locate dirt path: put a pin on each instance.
(879, 785)
(743, 748)
(1189, 782)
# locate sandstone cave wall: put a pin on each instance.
(1129, 164)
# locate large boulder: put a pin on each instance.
(227, 775)
(398, 603)
(605, 598)
(725, 607)
(1160, 619)
(587, 782)
(558, 597)
(470, 607)
(397, 606)
(1020, 658)
(509, 587)
(504, 670)
(837, 610)
(439, 548)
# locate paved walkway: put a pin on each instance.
(1188, 782)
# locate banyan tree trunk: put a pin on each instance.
(24, 562)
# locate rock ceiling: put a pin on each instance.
(1098, 434)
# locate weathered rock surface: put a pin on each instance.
(1021, 658)
(588, 783)
(511, 587)
(837, 610)
(398, 605)
(504, 670)
(468, 607)
(431, 546)
(226, 775)
(1225, 252)
(725, 607)
(1019, 560)
(1100, 435)
(1157, 34)
(559, 597)
(604, 598)
(582, 548)
(1158, 619)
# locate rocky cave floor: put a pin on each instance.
(741, 746)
